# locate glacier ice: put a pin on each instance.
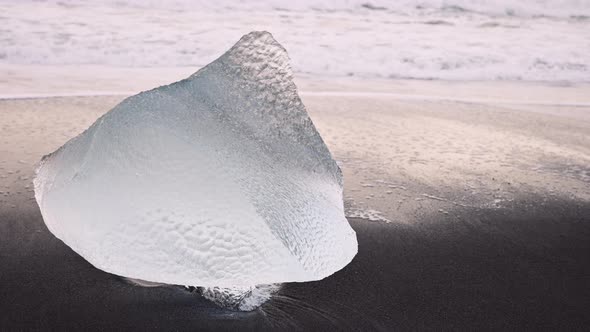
(239, 298)
(218, 180)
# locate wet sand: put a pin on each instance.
(511, 269)
(482, 209)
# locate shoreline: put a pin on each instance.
(44, 81)
(351, 94)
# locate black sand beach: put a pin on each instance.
(523, 268)
(497, 247)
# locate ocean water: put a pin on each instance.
(530, 40)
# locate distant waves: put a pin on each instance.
(531, 40)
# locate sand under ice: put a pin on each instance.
(219, 180)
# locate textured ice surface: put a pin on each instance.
(220, 179)
(239, 298)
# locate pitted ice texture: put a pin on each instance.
(220, 179)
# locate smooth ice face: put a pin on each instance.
(220, 179)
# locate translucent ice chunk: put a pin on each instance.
(239, 298)
(219, 180)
